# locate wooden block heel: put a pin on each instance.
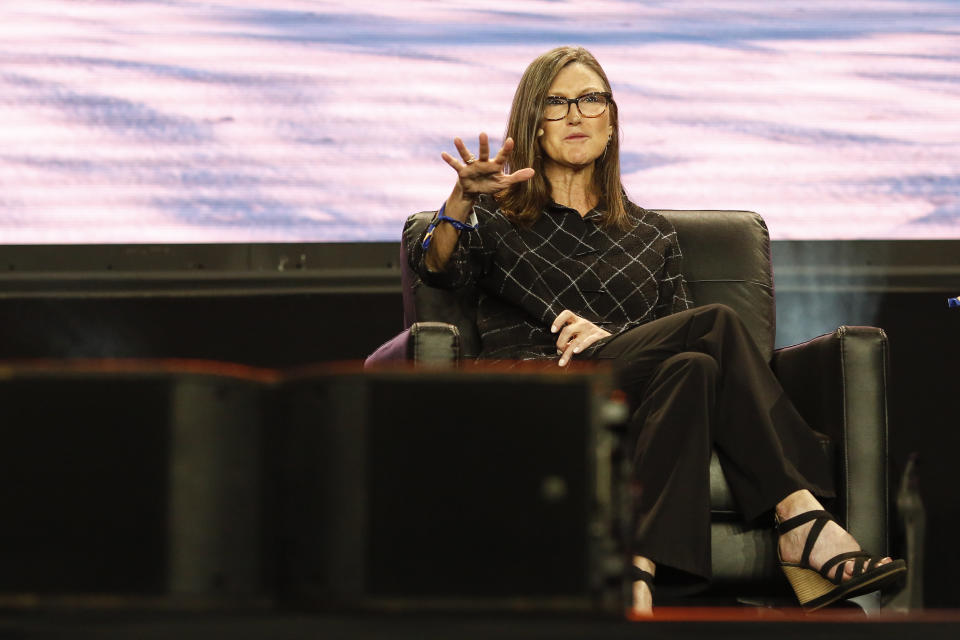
(807, 584)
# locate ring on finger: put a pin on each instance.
(471, 160)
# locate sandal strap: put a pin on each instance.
(859, 564)
(837, 559)
(821, 519)
(639, 575)
(803, 518)
(869, 564)
(812, 538)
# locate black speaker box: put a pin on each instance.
(132, 478)
(453, 488)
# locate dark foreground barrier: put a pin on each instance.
(329, 488)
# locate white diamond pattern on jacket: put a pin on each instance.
(617, 279)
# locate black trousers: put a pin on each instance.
(697, 382)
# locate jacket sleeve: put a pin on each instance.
(467, 263)
(673, 295)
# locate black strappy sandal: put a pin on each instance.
(814, 589)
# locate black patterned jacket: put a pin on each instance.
(616, 279)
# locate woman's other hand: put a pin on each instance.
(480, 174)
(576, 334)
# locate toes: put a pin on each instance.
(850, 566)
(847, 569)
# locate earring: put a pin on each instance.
(539, 132)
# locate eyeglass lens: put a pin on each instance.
(590, 105)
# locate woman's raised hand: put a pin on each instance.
(475, 175)
(479, 174)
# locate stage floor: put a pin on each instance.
(740, 623)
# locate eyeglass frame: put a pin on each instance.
(576, 101)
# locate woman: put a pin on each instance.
(568, 267)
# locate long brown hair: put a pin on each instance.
(524, 201)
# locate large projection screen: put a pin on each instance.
(186, 121)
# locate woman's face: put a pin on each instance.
(575, 141)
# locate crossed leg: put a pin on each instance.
(697, 383)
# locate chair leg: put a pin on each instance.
(913, 520)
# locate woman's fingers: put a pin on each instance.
(562, 318)
(582, 335)
(464, 152)
(566, 356)
(483, 154)
(576, 334)
(569, 325)
(480, 174)
(580, 342)
(568, 333)
(589, 338)
(504, 154)
(520, 175)
(450, 160)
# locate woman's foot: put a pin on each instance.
(642, 592)
(832, 540)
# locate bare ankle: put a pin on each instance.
(645, 564)
(796, 503)
(642, 589)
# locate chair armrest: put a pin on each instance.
(422, 343)
(838, 383)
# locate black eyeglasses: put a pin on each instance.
(590, 105)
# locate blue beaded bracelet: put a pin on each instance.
(459, 226)
(953, 303)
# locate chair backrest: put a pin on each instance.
(726, 259)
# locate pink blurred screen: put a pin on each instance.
(294, 121)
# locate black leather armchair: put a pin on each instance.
(837, 381)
